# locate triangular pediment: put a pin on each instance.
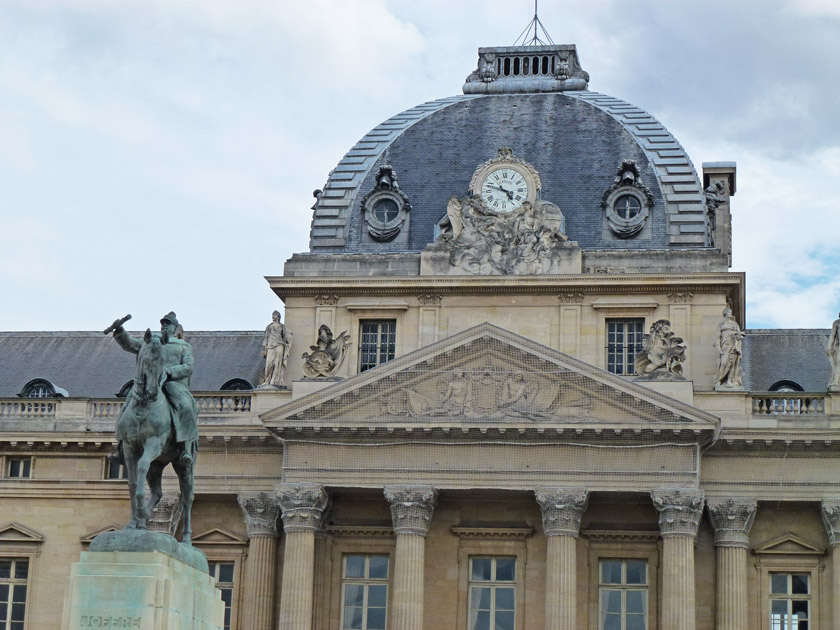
(88, 538)
(219, 536)
(15, 532)
(789, 544)
(489, 377)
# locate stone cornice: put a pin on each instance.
(492, 532)
(621, 535)
(679, 510)
(302, 506)
(411, 507)
(562, 509)
(361, 531)
(261, 510)
(732, 519)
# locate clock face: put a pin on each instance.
(504, 190)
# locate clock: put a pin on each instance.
(505, 182)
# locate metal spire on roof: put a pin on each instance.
(530, 36)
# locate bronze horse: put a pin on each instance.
(148, 438)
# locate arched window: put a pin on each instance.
(236, 385)
(786, 386)
(125, 389)
(41, 388)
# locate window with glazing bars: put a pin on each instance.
(14, 573)
(623, 593)
(364, 596)
(222, 572)
(492, 593)
(20, 467)
(790, 601)
(624, 340)
(378, 342)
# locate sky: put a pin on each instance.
(161, 154)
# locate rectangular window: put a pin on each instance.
(13, 577)
(222, 572)
(20, 467)
(624, 340)
(115, 470)
(364, 592)
(790, 601)
(623, 595)
(378, 342)
(492, 593)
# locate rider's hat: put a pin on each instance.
(169, 318)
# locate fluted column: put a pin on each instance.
(302, 506)
(562, 509)
(411, 511)
(680, 510)
(261, 511)
(732, 519)
(831, 519)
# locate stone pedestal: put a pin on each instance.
(144, 590)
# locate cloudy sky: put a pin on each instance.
(161, 154)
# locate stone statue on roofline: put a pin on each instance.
(276, 344)
(729, 345)
(832, 349)
(662, 354)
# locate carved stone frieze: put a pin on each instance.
(681, 298)
(562, 509)
(732, 519)
(679, 510)
(326, 300)
(662, 354)
(167, 514)
(430, 299)
(302, 506)
(411, 508)
(831, 520)
(261, 510)
(571, 297)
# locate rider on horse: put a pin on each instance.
(178, 367)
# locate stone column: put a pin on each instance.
(680, 510)
(411, 511)
(261, 511)
(732, 519)
(562, 509)
(302, 506)
(831, 519)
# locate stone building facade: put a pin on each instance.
(523, 407)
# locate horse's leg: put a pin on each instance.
(186, 481)
(154, 477)
(151, 451)
(131, 468)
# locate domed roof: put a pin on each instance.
(575, 139)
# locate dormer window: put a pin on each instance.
(236, 385)
(786, 386)
(41, 388)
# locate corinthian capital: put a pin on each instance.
(302, 506)
(831, 520)
(411, 508)
(679, 510)
(261, 511)
(732, 519)
(167, 514)
(562, 509)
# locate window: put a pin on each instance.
(236, 385)
(624, 340)
(786, 386)
(13, 576)
(364, 592)
(20, 468)
(378, 342)
(790, 601)
(115, 470)
(492, 593)
(222, 572)
(622, 595)
(627, 206)
(38, 388)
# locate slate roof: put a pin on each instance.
(773, 355)
(576, 140)
(91, 365)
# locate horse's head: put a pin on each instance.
(150, 366)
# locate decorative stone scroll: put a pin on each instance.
(167, 514)
(679, 510)
(662, 354)
(528, 240)
(261, 511)
(562, 509)
(302, 506)
(732, 519)
(411, 508)
(831, 520)
(326, 355)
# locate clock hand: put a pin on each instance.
(504, 190)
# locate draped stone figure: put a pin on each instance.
(275, 349)
(833, 351)
(729, 344)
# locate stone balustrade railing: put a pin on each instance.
(788, 404)
(209, 404)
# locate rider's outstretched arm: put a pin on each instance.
(126, 341)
